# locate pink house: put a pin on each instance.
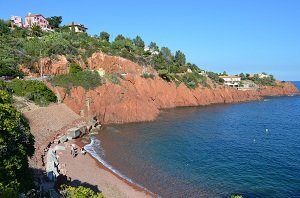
(16, 21)
(37, 19)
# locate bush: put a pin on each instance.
(79, 192)
(112, 78)
(74, 68)
(192, 80)
(86, 79)
(36, 91)
(16, 145)
(148, 75)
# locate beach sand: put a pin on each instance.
(85, 170)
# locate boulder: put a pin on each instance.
(74, 133)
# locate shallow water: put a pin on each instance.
(250, 148)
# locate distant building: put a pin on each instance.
(152, 51)
(16, 21)
(231, 81)
(263, 75)
(76, 27)
(37, 19)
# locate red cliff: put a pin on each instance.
(137, 99)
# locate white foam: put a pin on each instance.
(95, 146)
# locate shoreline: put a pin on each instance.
(85, 170)
(121, 187)
(134, 185)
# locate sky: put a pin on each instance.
(218, 35)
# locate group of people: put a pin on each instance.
(74, 150)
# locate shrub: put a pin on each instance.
(36, 91)
(86, 79)
(112, 78)
(79, 192)
(148, 75)
(192, 80)
(74, 68)
(16, 145)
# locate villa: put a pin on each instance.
(76, 27)
(231, 81)
(16, 21)
(30, 20)
(37, 19)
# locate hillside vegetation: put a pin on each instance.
(22, 46)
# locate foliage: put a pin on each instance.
(7, 191)
(36, 30)
(153, 46)
(265, 81)
(112, 78)
(86, 79)
(180, 58)
(4, 27)
(104, 36)
(215, 77)
(74, 68)
(54, 21)
(16, 145)
(148, 75)
(79, 192)
(192, 80)
(36, 91)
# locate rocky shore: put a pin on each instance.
(137, 99)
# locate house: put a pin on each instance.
(231, 81)
(37, 19)
(16, 21)
(76, 27)
(151, 51)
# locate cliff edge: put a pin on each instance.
(136, 99)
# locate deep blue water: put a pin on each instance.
(250, 148)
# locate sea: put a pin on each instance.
(250, 149)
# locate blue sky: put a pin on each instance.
(232, 35)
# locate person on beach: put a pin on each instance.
(73, 152)
(83, 152)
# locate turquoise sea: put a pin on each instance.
(252, 149)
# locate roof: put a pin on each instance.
(78, 25)
(229, 77)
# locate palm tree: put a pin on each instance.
(36, 30)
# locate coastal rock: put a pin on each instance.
(138, 99)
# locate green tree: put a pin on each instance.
(54, 21)
(79, 192)
(180, 58)
(74, 68)
(243, 76)
(104, 36)
(16, 145)
(138, 42)
(4, 27)
(36, 30)
(153, 46)
(119, 37)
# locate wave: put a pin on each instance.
(95, 149)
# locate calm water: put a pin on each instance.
(251, 149)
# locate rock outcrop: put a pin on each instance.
(137, 99)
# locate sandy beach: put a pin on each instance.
(47, 123)
(85, 170)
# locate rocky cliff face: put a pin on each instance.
(138, 99)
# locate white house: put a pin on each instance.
(76, 27)
(231, 81)
(16, 21)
